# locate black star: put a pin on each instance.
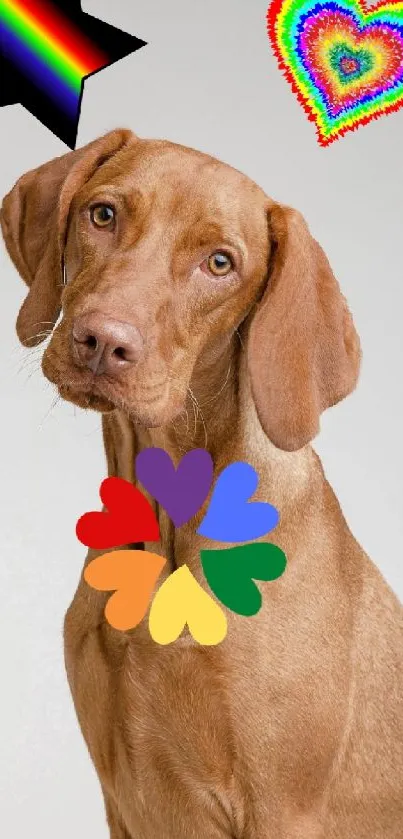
(50, 85)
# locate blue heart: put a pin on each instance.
(230, 518)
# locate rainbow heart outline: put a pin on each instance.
(286, 20)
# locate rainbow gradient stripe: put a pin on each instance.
(343, 61)
(49, 49)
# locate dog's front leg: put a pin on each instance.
(93, 657)
(116, 827)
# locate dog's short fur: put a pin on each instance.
(292, 727)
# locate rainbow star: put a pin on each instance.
(47, 50)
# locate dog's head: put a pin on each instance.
(155, 254)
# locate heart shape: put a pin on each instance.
(325, 49)
(343, 60)
(180, 601)
(230, 573)
(129, 518)
(182, 491)
(132, 575)
(230, 516)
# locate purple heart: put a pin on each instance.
(182, 491)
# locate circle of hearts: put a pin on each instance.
(343, 60)
(132, 575)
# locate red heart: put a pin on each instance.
(129, 518)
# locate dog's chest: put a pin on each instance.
(173, 740)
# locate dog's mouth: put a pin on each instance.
(149, 405)
(85, 398)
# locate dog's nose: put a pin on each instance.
(105, 345)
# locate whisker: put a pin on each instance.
(213, 398)
(27, 365)
(195, 409)
(20, 355)
(30, 365)
(196, 403)
(237, 332)
(52, 407)
(44, 334)
(186, 413)
(33, 372)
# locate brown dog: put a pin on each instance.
(187, 289)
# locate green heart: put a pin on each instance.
(230, 573)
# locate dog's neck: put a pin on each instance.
(220, 416)
(226, 424)
(211, 412)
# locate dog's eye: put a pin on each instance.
(102, 215)
(220, 264)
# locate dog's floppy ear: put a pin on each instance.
(33, 221)
(303, 350)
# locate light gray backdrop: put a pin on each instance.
(207, 79)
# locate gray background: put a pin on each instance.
(208, 80)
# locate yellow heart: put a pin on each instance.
(180, 601)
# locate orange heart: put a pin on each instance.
(132, 575)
